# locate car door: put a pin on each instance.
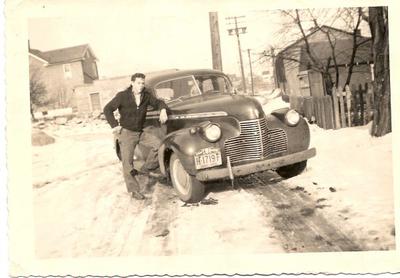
(176, 92)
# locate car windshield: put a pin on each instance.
(190, 86)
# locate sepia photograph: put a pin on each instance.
(201, 139)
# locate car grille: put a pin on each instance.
(256, 141)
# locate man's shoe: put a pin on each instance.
(134, 172)
(138, 196)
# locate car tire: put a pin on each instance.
(189, 189)
(292, 170)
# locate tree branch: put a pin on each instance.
(355, 47)
(308, 49)
(332, 47)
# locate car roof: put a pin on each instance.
(152, 78)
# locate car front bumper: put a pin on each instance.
(253, 167)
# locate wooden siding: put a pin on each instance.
(106, 88)
(59, 88)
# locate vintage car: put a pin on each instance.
(213, 133)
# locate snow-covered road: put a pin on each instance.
(82, 208)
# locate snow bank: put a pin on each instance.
(351, 176)
(77, 149)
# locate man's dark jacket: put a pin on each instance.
(132, 116)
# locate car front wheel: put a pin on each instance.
(189, 189)
(292, 170)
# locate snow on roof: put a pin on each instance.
(343, 51)
(325, 28)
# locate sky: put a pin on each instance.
(125, 42)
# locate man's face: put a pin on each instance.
(138, 85)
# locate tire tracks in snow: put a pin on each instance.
(156, 238)
(301, 227)
(76, 174)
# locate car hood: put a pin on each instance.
(241, 107)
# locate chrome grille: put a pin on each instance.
(256, 141)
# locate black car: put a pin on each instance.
(212, 133)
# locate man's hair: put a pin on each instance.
(138, 75)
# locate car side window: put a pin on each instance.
(164, 91)
(214, 84)
(174, 89)
(208, 85)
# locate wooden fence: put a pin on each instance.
(345, 108)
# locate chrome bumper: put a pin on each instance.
(258, 166)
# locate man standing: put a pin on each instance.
(132, 106)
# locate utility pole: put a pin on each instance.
(251, 73)
(236, 31)
(274, 67)
(215, 41)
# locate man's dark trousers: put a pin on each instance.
(128, 140)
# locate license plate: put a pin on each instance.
(207, 158)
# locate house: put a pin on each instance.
(60, 70)
(91, 98)
(295, 75)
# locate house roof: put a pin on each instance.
(37, 53)
(314, 30)
(322, 50)
(63, 55)
(343, 50)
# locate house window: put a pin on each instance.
(67, 71)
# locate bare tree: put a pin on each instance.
(298, 22)
(38, 92)
(353, 18)
(378, 21)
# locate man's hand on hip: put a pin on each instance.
(163, 116)
(117, 129)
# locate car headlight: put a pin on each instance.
(292, 117)
(212, 132)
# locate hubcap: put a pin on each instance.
(181, 178)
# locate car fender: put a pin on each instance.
(185, 145)
(298, 136)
